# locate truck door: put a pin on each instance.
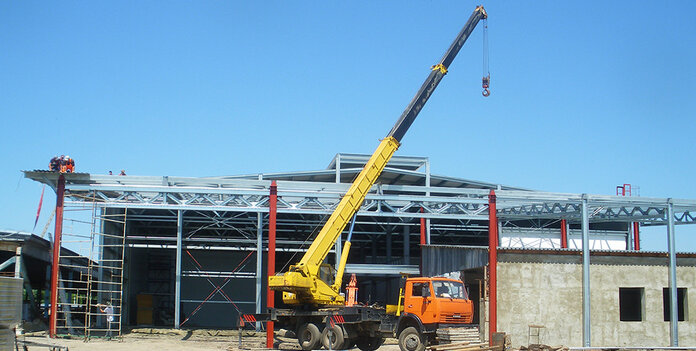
(419, 301)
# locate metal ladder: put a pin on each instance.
(105, 281)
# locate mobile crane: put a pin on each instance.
(317, 301)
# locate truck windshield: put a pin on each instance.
(449, 289)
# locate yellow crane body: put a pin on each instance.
(301, 284)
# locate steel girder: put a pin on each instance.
(515, 205)
(472, 207)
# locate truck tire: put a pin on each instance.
(411, 340)
(336, 338)
(369, 343)
(308, 336)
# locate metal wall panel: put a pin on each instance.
(10, 302)
(438, 259)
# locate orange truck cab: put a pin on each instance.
(429, 304)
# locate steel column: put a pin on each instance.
(270, 299)
(177, 287)
(636, 236)
(673, 303)
(259, 265)
(564, 234)
(422, 229)
(58, 232)
(338, 168)
(18, 264)
(427, 193)
(585, 272)
(492, 266)
(407, 244)
(389, 246)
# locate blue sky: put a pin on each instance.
(585, 95)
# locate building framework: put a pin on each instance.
(180, 229)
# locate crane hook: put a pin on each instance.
(486, 81)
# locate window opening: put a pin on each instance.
(631, 304)
(681, 304)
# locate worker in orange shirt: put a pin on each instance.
(69, 164)
(63, 164)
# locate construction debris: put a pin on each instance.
(465, 346)
(542, 347)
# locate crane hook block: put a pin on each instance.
(486, 82)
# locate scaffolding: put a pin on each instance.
(91, 272)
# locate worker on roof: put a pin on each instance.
(69, 164)
(54, 164)
(63, 165)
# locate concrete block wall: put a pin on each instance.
(546, 289)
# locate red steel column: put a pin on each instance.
(422, 229)
(272, 209)
(636, 236)
(60, 191)
(564, 234)
(492, 265)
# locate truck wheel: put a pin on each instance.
(369, 343)
(336, 338)
(411, 340)
(309, 336)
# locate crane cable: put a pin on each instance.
(486, 80)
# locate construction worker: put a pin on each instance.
(108, 310)
(69, 164)
(63, 165)
(54, 165)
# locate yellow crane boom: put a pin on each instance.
(301, 283)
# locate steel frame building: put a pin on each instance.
(179, 215)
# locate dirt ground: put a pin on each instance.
(171, 339)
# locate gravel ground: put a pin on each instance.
(171, 339)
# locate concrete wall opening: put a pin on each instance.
(631, 304)
(681, 304)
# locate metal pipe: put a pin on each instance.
(259, 265)
(177, 287)
(636, 236)
(272, 211)
(673, 311)
(338, 168)
(60, 192)
(585, 272)
(18, 265)
(407, 244)
(564, 234)
(422, 228)
(492, 266)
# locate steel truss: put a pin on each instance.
(648, 211)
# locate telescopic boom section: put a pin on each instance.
(301, 284)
